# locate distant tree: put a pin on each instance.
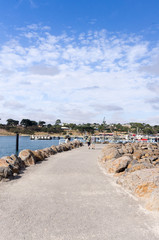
(41, 123)
(72, 126)
(156, 128)
(85, 128)
(28, 123)
(101, 128)
(34, 123)
(148, 130)
(12, 122)
(58, 122)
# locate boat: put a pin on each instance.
(39, 137)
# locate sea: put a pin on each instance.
(8, 144)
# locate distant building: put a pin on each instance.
(65, 128)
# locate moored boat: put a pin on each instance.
(39, 137)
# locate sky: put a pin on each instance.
(79, 61)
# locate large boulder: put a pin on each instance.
(110, 152)
(127, 148)
(44, 153)
(38, 155)
(27, 157)
(54, 149)
(137, 154)
(48, 151)
(15, 162)
(141, 182)
(59, 148)
(117, 165)
(139, 166)
(66, 147)
(6, 169)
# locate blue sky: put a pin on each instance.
(79, 61)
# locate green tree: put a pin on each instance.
(41, 123)
(156, 129)
(28, 123)
(12, 122)
(85, 128)
(58, 122)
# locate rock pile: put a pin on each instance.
(12, 165)
(136, 167)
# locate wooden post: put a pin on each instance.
(17, 143)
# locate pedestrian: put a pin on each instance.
(93, 141)
(88, 141)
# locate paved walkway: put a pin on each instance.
(69, 198)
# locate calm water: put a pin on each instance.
(8, 144)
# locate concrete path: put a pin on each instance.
(68, 197)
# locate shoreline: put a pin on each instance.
(39, 134)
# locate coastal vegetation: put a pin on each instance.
(27, 126)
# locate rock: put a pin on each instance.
(148, 154)
(156, 152)
(66, 147)
(18, 160)
(59, 148)
(121, 151)
(110, 152)
(152, 203)
(5, 169)
(48, 151)
(153, 159)
(72, 146)
(138, 166)
(133, 162)
(156, 163)
(44, 153)
(117, 165)
(28, 157)
(137, 154)
(14, 163)
(38, 155)
(141, 182)
(76, 143)
(54, 149)
(129, 149)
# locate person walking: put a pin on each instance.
(88, 141)
(93, 141)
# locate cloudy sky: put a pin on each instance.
(79, 61)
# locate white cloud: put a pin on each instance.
(13, 105)
(1, 98)
(64, 76)
(152, 68)
(44, 70)
(109, 108)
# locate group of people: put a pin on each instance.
(91, 142)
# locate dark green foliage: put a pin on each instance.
(41, 123)
(28, 123)
(12, 122)
(28, 126)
